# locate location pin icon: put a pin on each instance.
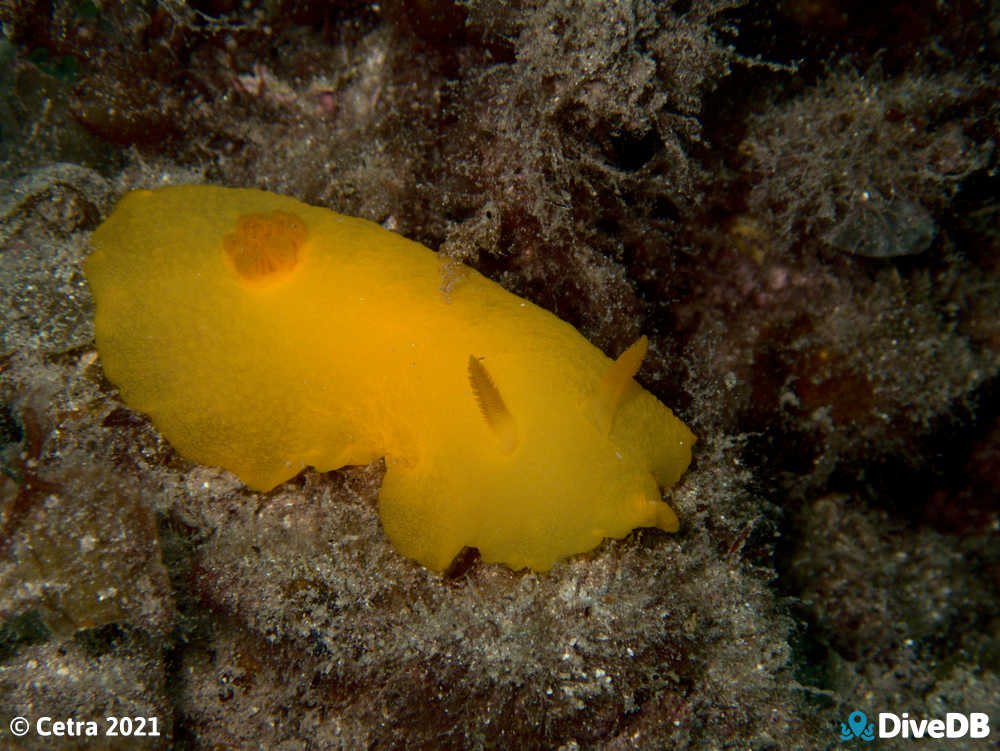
(857, 721)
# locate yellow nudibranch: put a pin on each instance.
(263, 335)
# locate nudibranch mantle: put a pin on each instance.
(264, 335)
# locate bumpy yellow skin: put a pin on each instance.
(349, 343)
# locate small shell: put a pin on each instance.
(877, 228)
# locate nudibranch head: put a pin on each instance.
(537, 476)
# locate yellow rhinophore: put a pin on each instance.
(264, 335)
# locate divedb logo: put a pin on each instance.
(857, 727)
(891, 725)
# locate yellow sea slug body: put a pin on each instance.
(264, 335)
